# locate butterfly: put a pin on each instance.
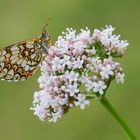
(19, 61)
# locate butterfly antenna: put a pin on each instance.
(43, 30)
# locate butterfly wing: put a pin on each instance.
(19, 61)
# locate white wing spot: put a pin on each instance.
(9, 75)
(11, 72)
(30, 45)
(2, 58)
(23, 78)
(32, 50)
(15, 52)
(3, 53)
(16, 77)
(13, 56)
(27, 67)
(14, 60)
(23, 63)
(19, 61)
(33, 56)
(14, 48)
(21, 47)
(31, 68)
(3, 72)
(2, 65)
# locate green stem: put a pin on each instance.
(117, 117)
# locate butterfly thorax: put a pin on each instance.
(44, 43)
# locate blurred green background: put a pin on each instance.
(24, 19)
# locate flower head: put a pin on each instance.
(76, 67)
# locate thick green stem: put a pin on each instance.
(118, 118)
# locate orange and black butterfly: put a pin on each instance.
(19, 61)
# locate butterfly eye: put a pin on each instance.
(45, 37)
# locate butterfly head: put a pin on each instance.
(45, 36)
(45, 40)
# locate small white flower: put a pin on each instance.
(61, 42)
(62, 48)
(92, 51)
(63, 101)
(89, 85)
(123, 44)
(82, 102)
(70, 35)
(99, 87)
(120, 77)
(94, 61)
(78, 63)
(106, 72)
(72, 76)
(40, 112)
(96, 34)
(79, 47)
(72, 89)
(37, 96)
(56, 63)
(66, 59)
(56, 116)
(84, 35)
(84, 79)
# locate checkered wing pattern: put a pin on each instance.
(19, 61)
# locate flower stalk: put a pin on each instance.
(104, 101)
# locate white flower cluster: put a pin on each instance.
(111, 42)
(77, 68)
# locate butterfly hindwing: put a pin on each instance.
(19, 61)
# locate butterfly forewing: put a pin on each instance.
(19, 61)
